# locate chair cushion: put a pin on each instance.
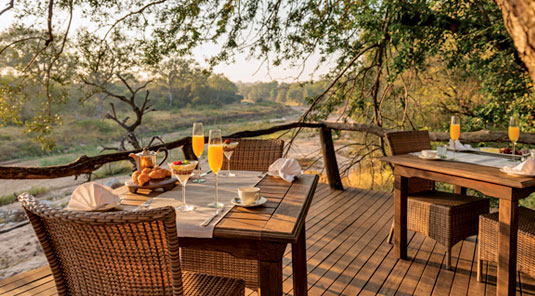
(199, 284)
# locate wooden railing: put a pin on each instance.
(86, 165)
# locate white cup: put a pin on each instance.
(249, 195)
(429, 153)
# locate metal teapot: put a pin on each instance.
(147, 158)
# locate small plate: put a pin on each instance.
(237, 202)
(516, 174)
(430, 158)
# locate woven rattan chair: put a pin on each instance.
(250, 155)
(445, 217)
(488, 241)
(255, 154)
(118, 253)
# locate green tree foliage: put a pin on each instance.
(394, 61)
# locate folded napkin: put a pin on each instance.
(286, 168)
(526, 168)
(459, 146)
(93, 197)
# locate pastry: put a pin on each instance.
(135, 175)
(143, 178)
(157, 174)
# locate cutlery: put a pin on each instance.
(205, 223)
(145, 205)
(204, 174)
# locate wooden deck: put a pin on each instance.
(348, 255)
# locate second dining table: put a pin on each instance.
(260, 233)
(485, 179)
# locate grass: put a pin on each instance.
(10, 198)
(113, 169)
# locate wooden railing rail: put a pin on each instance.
(86, 165)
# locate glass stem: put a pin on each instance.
(184, 193)
(199, 172)
(228, 166)
(216, 191)
(514, 152)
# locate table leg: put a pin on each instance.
(400, 216)
(507, 247)
(270, 277)
(299, 264)
(460, 189)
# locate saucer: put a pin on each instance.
(430, 158)
(237, 202)
(516, 174)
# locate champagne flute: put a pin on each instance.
(514, 134)
(183, 170)
(228, 150)
(197, 143)
(455, 131)
(215, 160)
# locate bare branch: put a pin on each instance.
(8, 7)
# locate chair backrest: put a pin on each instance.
(411, 141)
(408, 141)
(109, 253)
(255, 154)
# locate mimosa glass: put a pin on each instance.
(215, 160)
(183, 170)
(197, 144)
(228, 150)
(455, 131)
(514, 134)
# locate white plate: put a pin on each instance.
(237, 202)
(516, 174)
(429, 158)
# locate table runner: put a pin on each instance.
(200, 195)
(486, 160)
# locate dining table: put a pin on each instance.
(487, 179)
(260, 233)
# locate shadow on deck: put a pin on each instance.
(348, 255)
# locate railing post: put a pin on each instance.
(188, 151)
(329, 158)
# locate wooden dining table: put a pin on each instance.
(262, 233)
(487, 180)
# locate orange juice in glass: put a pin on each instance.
(197, 145)
(455, 131)
(215, 160)
(514, 134)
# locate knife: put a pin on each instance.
(205, 223)
(206, 173)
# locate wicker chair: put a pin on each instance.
(488, 241)
(118, 253)
(251, 155)
(445, 217)
(254, 154)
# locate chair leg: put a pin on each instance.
(391, 233)
(448, 258)
(479, 267)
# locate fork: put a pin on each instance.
(205, 223)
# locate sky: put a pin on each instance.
(241, 69)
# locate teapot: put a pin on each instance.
(147, 158)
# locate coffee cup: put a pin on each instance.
(429, 153)
(249, 195)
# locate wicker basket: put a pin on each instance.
(488, 240)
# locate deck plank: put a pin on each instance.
(347, 254)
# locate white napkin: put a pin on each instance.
(286, 168)
(526, 168)
(93, 197)
(459, 146)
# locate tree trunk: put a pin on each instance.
(519, 19)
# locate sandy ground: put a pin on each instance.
(19, 248)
